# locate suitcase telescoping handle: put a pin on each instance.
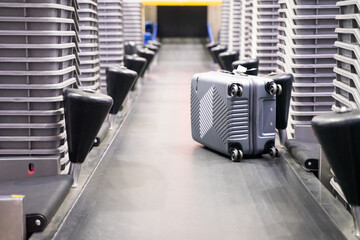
(338, 134)
(283, 99)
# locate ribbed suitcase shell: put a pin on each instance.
(222, 122)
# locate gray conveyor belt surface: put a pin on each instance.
(155, 182)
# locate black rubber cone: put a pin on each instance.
(135, 63)
(148, 55)
(130, 48)
(152, 48)
(85, 112)
(209, 46)
(227, 58)
(154, 42)
(216, 51)
(119, 81)
(338, 134)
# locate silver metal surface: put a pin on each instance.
(355, 210)
(12, 220)
(28, 167)
(111, 119)
(325, 174)
(335, 209)
(303, 132)
(282, 136)
(336, 189)
(75, 169)
(37, 222)
(155, 182)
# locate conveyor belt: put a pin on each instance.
(156, 183)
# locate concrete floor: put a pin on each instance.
(155, 182)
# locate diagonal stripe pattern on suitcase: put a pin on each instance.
(195, 113)
(220, 117)
(206, 110)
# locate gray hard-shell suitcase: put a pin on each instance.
(235, 114)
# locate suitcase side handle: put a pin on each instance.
(285, 80)
(252, 66)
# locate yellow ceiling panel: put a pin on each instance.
(182, 2)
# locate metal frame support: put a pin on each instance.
(355, 211)
(75, 173)
(12, 220)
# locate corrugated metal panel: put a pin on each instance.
(89, 45)
(347, 82)
(111, 36)
(38, 59)
(133, 22)
(306, 49)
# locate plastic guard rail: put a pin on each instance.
(154, 35)
(211, 37)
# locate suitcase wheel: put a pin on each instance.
(273, 89)
(274, 152)
(279, 89)
(236, 155)
(235, 90)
